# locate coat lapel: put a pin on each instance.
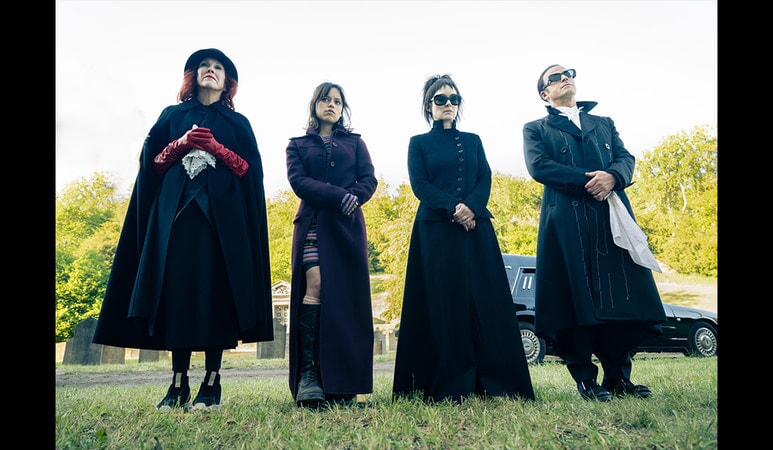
(564, 124)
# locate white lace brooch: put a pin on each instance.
(196, 160)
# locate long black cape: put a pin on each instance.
(238, 207)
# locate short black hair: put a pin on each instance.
(432, 85)
(541, 82)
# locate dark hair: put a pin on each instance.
(190, 89)
(431, 86)
(322, 91)
(541, 82)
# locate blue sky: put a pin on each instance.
(651, 65)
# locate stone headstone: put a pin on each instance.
(152, 355)
(275, 348)
(112, 355)
(392, 340)
(379, 343)
(81, 350)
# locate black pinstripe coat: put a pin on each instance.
(583, 278)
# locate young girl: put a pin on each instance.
(331, 320)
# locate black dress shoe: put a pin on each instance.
(624, 387)
(590, 390)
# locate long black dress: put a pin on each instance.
(458, 331)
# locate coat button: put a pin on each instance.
(564, 150)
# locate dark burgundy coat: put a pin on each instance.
(458, 330)
(346, 315)
(583, 278)
(132, 298)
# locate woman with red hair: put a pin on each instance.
(191, 270)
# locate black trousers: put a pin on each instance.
(610, 343)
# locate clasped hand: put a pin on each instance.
(600, 185)
(203, 139)
(464, 216)
(349, 203)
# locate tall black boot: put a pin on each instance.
(309, 392)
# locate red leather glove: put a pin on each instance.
(174, 152)
(206, 141)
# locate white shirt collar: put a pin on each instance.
(573, 113)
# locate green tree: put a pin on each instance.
(281, 209)
(88, 221)
(378, 211)
(515, 203)
(81, 296)
(83, 206)
(675, 199)
(396, 228)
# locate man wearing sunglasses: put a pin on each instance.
(591, 297)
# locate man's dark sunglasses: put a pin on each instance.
(442, 99)
(553, 77)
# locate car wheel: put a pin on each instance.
(702, 340)
(533, 346)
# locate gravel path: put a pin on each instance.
(135, 378)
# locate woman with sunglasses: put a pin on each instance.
(458, 332)
(590, 295)
(331, 319)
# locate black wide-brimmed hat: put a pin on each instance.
(199, 55)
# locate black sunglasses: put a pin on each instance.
(553, 77)
(442, 99)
